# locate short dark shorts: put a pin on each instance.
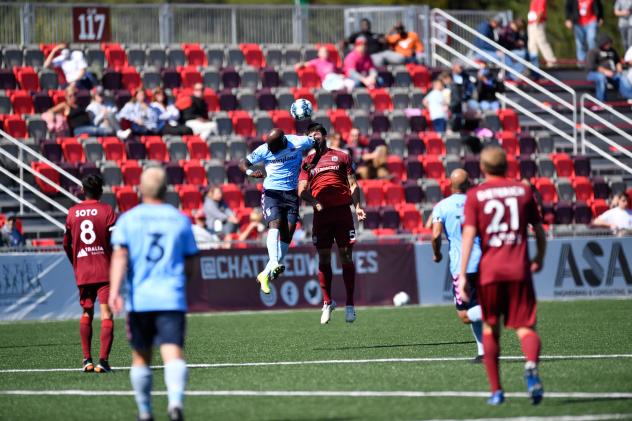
(472, 280)
(277, 204)
(514, 302)
(148, 328)
(333, 224)
(89, 293)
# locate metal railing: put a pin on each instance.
(595, 129)
(442, 34)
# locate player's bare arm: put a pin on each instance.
(118, 268)
(245, 165)
(305, 193)
(540, 240)
(355, 196)
(437, 232)
(469, 233)
(68, 244)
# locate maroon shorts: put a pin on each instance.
(90, 292)
(333, 224)
(514, 301)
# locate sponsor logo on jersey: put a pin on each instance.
(82, 253)
(334, 158)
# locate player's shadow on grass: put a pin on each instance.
(345, 348)
(589, 400)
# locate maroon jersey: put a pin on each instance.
(328, 180)
(87, 241)
(501, 210)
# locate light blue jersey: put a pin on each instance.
(282, 168)
(158, 239)
(449, 212)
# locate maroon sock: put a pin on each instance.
(531, 346)
(324, 277)
(107, 336)
(348, 274)
(492, 351)
(85, 330)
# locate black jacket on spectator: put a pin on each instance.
(373, 43)
(78, 117)
(572, 10)
(198, 109)
(487, 89)
(602, 58)
(513, 40)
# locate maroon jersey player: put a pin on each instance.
(500, 211)
(87, 245)
(329, 185)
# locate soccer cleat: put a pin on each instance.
(497, 398)
(146, 417)
(175, 414)
(88, 365)
(477, 360)
(103, 367)
(534, 385)
(264, 282)
(276, 271)
(327, 309)
(350, 314)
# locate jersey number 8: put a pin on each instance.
(87, 234)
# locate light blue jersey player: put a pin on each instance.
(281, 156)
(447, 216)
(153, 244)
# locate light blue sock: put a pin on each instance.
(140, 375)
(475, 315)
(272, 242)
(176, 374)
(284, 249)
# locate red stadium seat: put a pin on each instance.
(513, 168)
(212, 100)
(381, 100)
(198, 149)
(341, 122)
(190, 76)
(384, 232)
(583, 189)
(21, 102)
(242, 123)
(15, 126)
(195, 55)
(113, 149)
(115, 57)
(563, 164)
(131, 173)
(433, 167)
(72, 150)
(598, 207)
(58, 96)
(27, 78)
(547, 190)
(373, 193)
(509, 143)
(253, 55)
(156, 148)
(410, 217)
(309, 78)
(47, 171)
(509, 120)
(434, 143)
(394, 194)
(130, 79)
(283, 120)
(44, 242)
(48, 48)
(126, 197)
(190, 196)
(233, 196)
(396, 167)
(194, 172)
(420, 76)
(305, 93)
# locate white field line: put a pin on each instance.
(327, 362)
(322, 394)
(596, 417)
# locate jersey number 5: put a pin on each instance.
(498, 209)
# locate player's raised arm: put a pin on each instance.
(245, 165)
(355, 195)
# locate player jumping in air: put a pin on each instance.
(282, 155)
(154, 245)
(87, 245)
(499, 211)
(329, 185)
(448, 216)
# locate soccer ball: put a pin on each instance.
(401, 299)
(301, 109)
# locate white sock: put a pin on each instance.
(475, 315)
(176, 374)
(141, 377)
(272, 242)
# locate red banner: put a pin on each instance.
(91, 24)
(225, 279)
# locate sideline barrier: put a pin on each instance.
(41, 285)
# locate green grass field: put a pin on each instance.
(571, 329)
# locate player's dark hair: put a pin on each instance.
(316, 127)
(92, 186)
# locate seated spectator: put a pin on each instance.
(73, 65)
(619, 218)
(514, 38)
(194, 113)
(254, 230)
(336, 142)
(326, 70)
(437, 106)
(375, 43)
(103, 115)
(68, 118)
(487, 86)
(461, 95)
(168, 115)
(142, 118)
(405, 47)
(11, 236)
(359, 68)
(369, 164)
(604, 67)
(204, 239)
(488, 29)
(219, 217)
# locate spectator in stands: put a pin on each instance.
(219, 217)
(195, 114)
(11, 236)
(375, 43)
(336, 142)
(488, 29)
(461, 95)
(604, 67)
(73, 65)
(405, 47)
(204, 239)
(255, 228)
(584, 17)
(359, 68)
(369, 164)
(326, 70)
(623, 10)
(437, 107)
(487, 86)
(103, 115)
(77, 120)
(536, 33)
(618, 219)
(514, 38)
(142, 118)
(168, 115)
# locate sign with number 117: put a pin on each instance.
(91, 24)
